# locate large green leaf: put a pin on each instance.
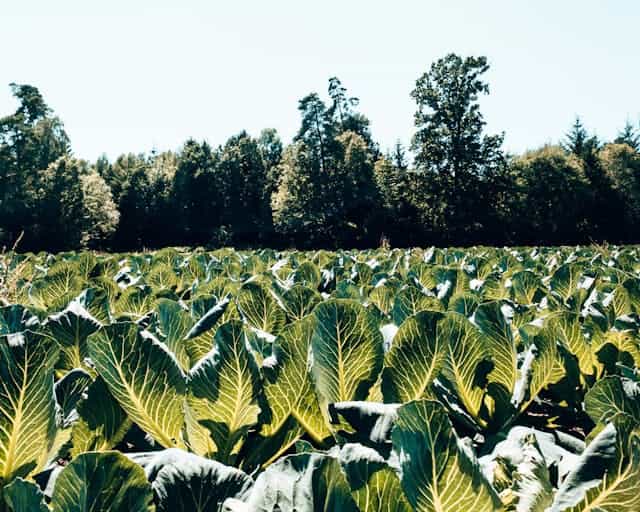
(415, 359)
(27, 406)
(438, 472)
(409, 301)
(68, 392)
(612, 396)
(565, 327)
(101, 422)
(208, 313)
(382, 297)
(185, 482)
(223, 395)
(299, 301)
(565, 280)
(287, 370)
(161, 277)
(102, 482)
(144, 377)
(616, 346)
(308, 274)
(493, 321)
(71, 328)
(260, 309)
(525, 286)
(547, 367)
(54, 291)
(465, 304)
(23, 496)
(134, 303)
(307, 482)
(462, 367)
(16, 318)
(607, 476)
(347, 351)
(374, 485)
(172, 323)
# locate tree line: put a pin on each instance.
(332, 186)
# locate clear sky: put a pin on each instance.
(140, 74)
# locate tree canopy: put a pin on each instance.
(331, 186)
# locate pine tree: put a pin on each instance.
(576, 138)
(629, 135)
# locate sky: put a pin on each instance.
(136, 75)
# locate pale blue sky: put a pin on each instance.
(138, 74)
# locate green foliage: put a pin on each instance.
(555, 193)
(327, 184)
(30, 140)
(496, 379)
(331, 187)
(101, 482)
(100, 213)
(453, 156)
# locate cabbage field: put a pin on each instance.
(441, 380)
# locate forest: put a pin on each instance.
(331, 187)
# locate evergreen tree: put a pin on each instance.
(629, 135)
(196, 193)
(601, 202)
(353, 193)
(270, 147)
(576, 139)
(399, 156)
(316, 133)
(243, 185)
(160, 209)
(298, 204)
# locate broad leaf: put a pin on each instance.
(347, 351)
(438, 473)
(565, 327)
(223, 394)
(612, 396)
(286, 370)
(463, 364)
(374, 485)
(101, 423)
(607, 476)
(70, 328)
(172, 325)
(27, 406)
(260, 308)
(185, 482)
(411, 300)
(306, 482)
(23, 496)
(299, 301)
(144, 377)
(415, 359)
(102, 482)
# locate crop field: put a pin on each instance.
(442, 380)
